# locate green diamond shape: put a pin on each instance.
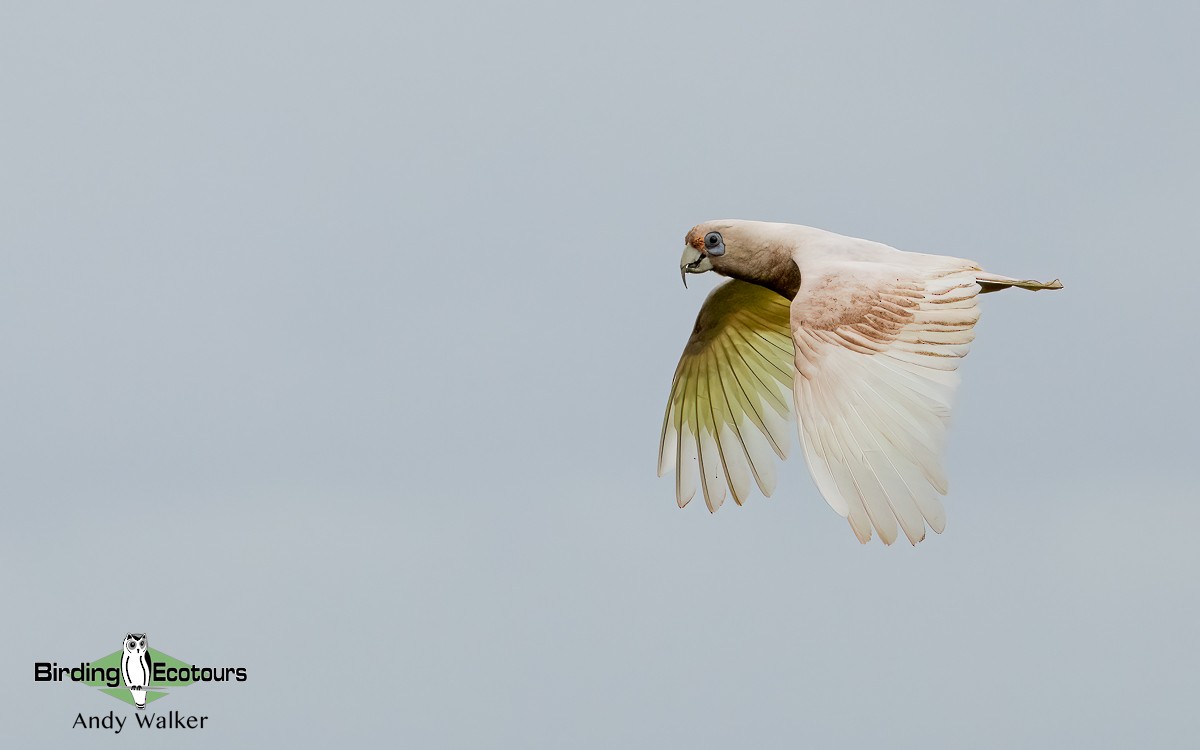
(156, 657)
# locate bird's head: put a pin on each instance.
(704, 244)
(748, 250)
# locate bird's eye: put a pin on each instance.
(714, 244)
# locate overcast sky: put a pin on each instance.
(336, 340)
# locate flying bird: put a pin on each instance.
(862, 340)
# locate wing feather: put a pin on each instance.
(876, 354)
(712, 478)
(730, 409)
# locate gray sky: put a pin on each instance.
(337, 338)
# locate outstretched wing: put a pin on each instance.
(877, 347)
(729, 412)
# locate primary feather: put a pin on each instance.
(731, 397)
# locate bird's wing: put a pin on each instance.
(877, 346)
(730, 406)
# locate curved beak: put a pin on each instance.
(693, 261)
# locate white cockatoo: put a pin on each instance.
(861, 338)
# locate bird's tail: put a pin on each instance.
(991, 282)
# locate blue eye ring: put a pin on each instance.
(714, 244)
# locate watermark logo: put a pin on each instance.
(137, 674)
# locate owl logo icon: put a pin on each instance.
(136, 667)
